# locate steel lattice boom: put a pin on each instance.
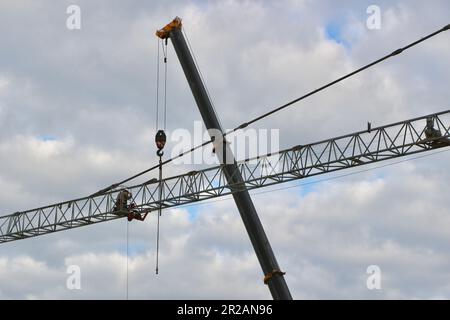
(356, 149)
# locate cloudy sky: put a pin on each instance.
(77, 113)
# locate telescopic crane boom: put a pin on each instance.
(273, 276)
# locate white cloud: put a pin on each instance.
(4, 82)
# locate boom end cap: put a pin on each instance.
(164, 32)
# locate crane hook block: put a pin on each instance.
(160, 139)
(164, 32)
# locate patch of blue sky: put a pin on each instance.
(202, 4)
(367, 173)
(302, 188)
(134, 249)
(306, 187)
(46, 137)
(193, 212)
(333, 31)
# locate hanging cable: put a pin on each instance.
(200, 73)
(159, 213)
(390, 55)
(165, 83)
(157, 86)
(160, 140)
(160, 143)
(127, 252)
(245, 124)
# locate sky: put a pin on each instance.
(77, 113)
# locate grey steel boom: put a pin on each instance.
(273, 276)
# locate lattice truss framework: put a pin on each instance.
(356, 149)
